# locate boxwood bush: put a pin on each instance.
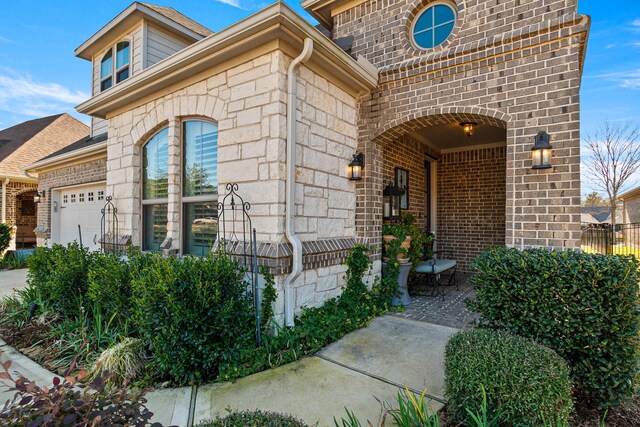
(584, 306)
(525, 382)
(194, 314)
(59, 275)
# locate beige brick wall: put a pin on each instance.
(82, 173)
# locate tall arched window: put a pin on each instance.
(155, 190)
(120, 69)
(199, 186)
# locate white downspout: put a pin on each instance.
(296, 267)
(5, 182)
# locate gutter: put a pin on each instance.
(71, 155)
(296, 267)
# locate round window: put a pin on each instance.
(434, 25)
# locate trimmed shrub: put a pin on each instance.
(59, 275)
(254, 419)
(584, 306)
(5, 236)
(525, 382)
(110, 290)
(194, 314)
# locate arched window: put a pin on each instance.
(120, 69)
(434, 25)
(199, 186)
(155, 190)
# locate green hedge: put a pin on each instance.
(525, 383)
(5, 236)
(254, 419)
(59, 274)
(585, 307)
(194, 314)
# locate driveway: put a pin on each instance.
(11, 280)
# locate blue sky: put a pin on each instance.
(39, 74)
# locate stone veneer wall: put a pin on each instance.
(82, 173)
(510, 64)
(471, 203)
(248, 102)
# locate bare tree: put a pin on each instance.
(613, 157)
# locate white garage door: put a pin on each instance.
(80, 206)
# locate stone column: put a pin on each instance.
(172, 243)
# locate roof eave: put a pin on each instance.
(71, 156)
(88, 48)
(275, 21)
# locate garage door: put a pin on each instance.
(80, 206)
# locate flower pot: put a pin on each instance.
(406, 244)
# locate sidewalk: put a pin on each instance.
(10, 280)
(359, 371)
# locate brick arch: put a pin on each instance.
(25, 190)
(439, 116)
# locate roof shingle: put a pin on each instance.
(181, 19)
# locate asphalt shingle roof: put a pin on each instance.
(85, 142)
(14, 137)
(181, 19)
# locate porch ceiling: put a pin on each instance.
(450, 136)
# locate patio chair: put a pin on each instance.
(434, 264)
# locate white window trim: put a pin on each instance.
(114, 70)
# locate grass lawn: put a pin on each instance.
(616, 250)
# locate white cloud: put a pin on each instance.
(19, 94)
(636, 22)
(624, 79)
(233, 3)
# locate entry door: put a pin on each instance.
(79, 215)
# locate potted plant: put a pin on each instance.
(397, 242)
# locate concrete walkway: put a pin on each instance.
(359, 371)
(11, 280)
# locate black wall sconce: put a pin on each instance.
(356, 166)
(392, 195)
(541, 151)
(37, 198)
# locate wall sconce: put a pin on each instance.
(468, 128)
(541, 151)
(37, 198)
(356, 166)
(391, 196)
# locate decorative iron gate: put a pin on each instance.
(238, 238)
(109, 232)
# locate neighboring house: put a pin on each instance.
(274, 105)
(20, 145)
(631, 206)
(598, 214)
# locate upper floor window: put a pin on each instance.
(118, 70)
(434, 25)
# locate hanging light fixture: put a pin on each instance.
(468, 128)
(37, 198)
(541, 151)
(356, 166)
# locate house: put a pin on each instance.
(21, 145)
(445, 98)
(630, 206)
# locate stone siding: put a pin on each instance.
(81, 173)
(248, 102)
(471, 203)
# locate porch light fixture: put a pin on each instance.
(391, 196)
(37, 198)
(468, 128)
(356, 166)
(541, 151)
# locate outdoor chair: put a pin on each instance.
(433, 265)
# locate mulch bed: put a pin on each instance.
(33, 340)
